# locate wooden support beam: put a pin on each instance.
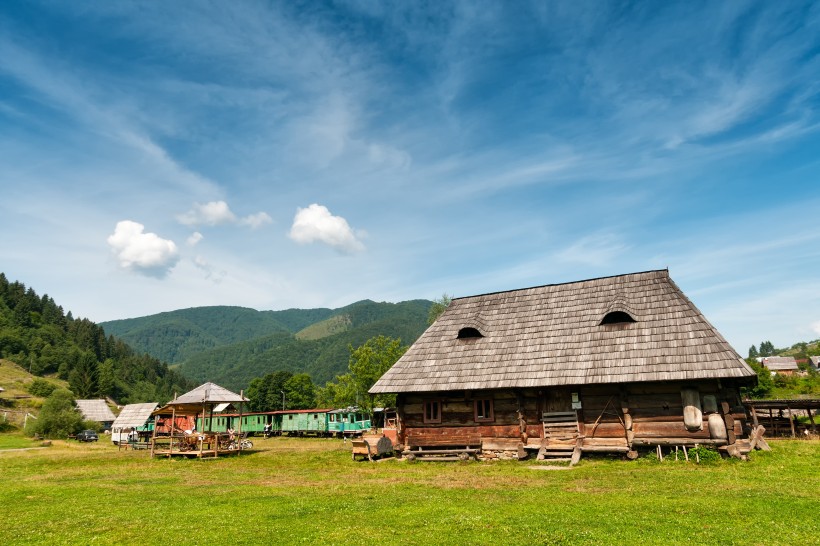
(791, 421)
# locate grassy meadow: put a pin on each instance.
(292, 491)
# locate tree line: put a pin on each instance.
(38, 335)
(366, 364)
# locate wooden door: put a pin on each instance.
(557, 400)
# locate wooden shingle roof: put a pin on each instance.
(134, 415)
(552, 335)
(780, 363)
(208, 393)
(95, 410)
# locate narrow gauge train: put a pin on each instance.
(317, 422)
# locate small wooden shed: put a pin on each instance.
(601, 365)
(131, 417)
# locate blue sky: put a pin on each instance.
(162, 155)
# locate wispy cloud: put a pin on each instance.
(597, 250)
(194, 238)
(217, 213)
(255, 221)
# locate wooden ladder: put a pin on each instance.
(562, 440)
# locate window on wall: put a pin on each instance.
(432, 411)
(484, 410)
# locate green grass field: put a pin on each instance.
(309, 491)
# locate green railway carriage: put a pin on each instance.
(252, 423)
(302, 422)
(347, 422)
(319, 422)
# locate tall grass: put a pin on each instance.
(309, 491)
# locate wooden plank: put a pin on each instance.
(422, 452)
(676, 442)
(501, 444)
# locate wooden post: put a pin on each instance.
(173, 426)
(791, 421)
(729, 421)
(239, 433)
(811, 420)
(522, 419)
(154, 435)
(685, 454)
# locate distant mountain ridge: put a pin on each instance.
(232, 345)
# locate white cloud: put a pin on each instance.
(211, 214)
(144, 253)
(218, 213)
(195, 238)
(815, 327)
(316, 223)
(257, 220)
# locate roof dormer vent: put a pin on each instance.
(469, 332)
(617, 317)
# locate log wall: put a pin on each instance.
(618, 416)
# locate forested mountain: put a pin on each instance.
(232, 345)
(38, 335)
(177, 335)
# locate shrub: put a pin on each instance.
(58, 418)
(6, 426)
(41, 387)
(707, 455)
(704, 454)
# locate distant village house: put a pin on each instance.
(785, 365)
(96, 410)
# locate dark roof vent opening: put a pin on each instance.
(469, 333)
(617, 317)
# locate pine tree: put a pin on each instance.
(84, 378)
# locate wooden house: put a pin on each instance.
(785, 365)
(96, 410)
(601, 365)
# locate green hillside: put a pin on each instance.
(321, 350)
(328, 327)
(177, 335)
(40, 336)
